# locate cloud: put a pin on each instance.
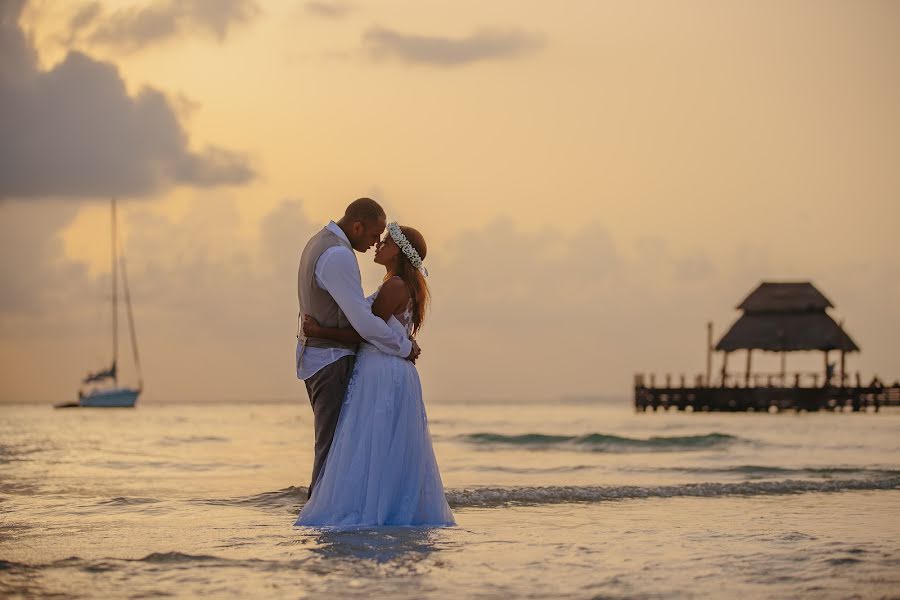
(75, 131)
(37, 280)
(487, 44)
(694, 267)
(82, 18)
(331, 10)
(516, 313)
(132, 28)
(540, 315)
(17, 57)
(520, 314)
(283, 233)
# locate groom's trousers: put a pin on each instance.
(326, 391)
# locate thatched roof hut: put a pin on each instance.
(785, 297)
(786, 317)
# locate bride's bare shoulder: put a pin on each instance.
(395, 288)
(392, 297)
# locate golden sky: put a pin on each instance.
(595, 179)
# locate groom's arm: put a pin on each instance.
(338, 272)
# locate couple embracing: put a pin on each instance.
(374, 463)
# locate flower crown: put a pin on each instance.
(407, 248)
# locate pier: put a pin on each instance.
(765, 398)
(781, 318)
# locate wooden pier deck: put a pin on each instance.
(764, 398)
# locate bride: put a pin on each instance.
(381, 468)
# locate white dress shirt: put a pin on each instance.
(337, 272)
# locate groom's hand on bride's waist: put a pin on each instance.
(414, 352)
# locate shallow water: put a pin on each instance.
(565, 500)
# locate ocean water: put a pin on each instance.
(562, 500)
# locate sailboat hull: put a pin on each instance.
(115, 398)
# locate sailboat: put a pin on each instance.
(104, 390)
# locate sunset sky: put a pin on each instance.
(595, 180)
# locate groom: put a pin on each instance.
(329, 287)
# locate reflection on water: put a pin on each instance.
(380, 562)
(403, 546)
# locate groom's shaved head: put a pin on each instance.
(363, 222)
(364, 210)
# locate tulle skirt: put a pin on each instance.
(381, 468)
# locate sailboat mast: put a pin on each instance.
(131, 330)
(115, 299)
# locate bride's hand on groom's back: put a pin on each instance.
(415, 352)
(311, 327)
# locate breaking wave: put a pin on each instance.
(292, 498)
(506, 496)
(602, 442)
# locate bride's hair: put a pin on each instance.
(413, 277)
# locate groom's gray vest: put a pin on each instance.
(314, 300)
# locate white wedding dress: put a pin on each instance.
(381, 468)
